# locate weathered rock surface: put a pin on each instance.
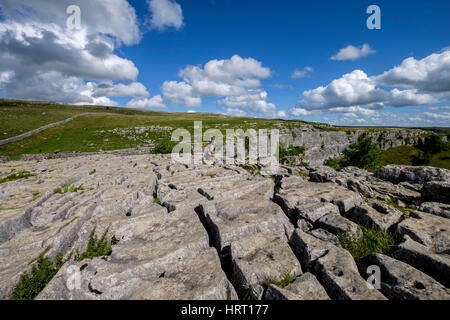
(436, 208)
(437, 191)
(337, 224)
(333, 266)
(396, 174)
(305, 287)
(401, 281)
(429, 230)
(375, 214)
(421, 257)
(260, 258)
(211, 232)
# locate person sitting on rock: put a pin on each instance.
(210, 154)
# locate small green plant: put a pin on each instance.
(68, 188)
(31, 284)
(163, 147)
(16, 176)
(322, 147)
(92, 172)
(212, 175)
(253, 169)
(283, 282)
(336, 164)
(96, 247)
(36, 194)
(373, 240)
(157, 200)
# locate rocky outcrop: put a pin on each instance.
(321, 145)
(403, 282)
(396, 174)
(216, 232)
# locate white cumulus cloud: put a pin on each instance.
(353, 53)
(302, 73)
(237, 81)
(45, 60)
(165, 14)
(154, 102)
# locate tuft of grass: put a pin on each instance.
(283, 282)
(92, 172)
(68, 188)
(373, 240)
(36, 194)
(32, 283)
(16, 176)
(163, 147)
(96, 247)
(287, 155)
(253, 169)
(212, 175)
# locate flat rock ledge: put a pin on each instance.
(219, 232)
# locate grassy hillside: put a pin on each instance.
(95, 132)
(406, 154)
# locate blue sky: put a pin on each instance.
(270, 40)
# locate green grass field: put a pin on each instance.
(84, 134)
(405, 155)
(90, 133)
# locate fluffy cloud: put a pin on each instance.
(236, 80)
(165, 14)
(431, 74)
(356, 89)
(353, 53)
(302, 73)
(234, 112)
(299, 112)
(40, 58)
(134, 89)
(155, 102)
(356, 98)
